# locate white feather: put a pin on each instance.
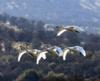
(65, 53)
(21, 54)
(41, 55)
(79, 49)
(58, 51)
(61, 32)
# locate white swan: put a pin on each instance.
(70, 29)
(78, 49)
(73, 49)
(61, 32)
(39, 54)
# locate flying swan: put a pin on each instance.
(70, 29)
(39, 54)
(74, 49)
(65, 51)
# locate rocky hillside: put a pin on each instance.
(75, 68)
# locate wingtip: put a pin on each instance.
(64, 59)
(84, 55)
(37, 63)
(57, 35)
(18, 60)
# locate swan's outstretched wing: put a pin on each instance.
(21, 54)
(61, 32)
(72, 29)
(41, 55)
(75, 28)
(81, 50)
(79, 29)
(58, 50)
(65, 53)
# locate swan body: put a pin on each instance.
(70, 29)
(73, 50)
(78, 49)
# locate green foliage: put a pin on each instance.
(28, 75)
(7, 58)
(54, 77)
(34, 33)
(52, 74)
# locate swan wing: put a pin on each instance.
(61, 32)
(58, 51)
(81, 50)
(65, 53)
(41, 55)
(21, 54)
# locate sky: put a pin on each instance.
(52, 10)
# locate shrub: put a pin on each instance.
(54, 77)
(28, 75)
(7, 58)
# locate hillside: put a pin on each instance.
(75, 68)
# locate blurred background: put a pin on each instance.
(24, 21)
